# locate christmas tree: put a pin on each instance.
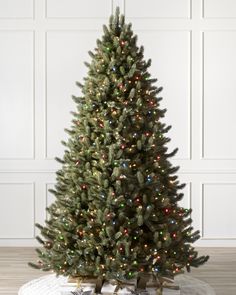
(116, 213)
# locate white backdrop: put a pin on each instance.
(43, 44)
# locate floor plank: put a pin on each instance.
(219, 272)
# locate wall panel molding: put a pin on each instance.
(222, 211)
(14, 9)
(218, 9)
(74, 9)
(18, 95)
(159, 9)
(17, 216)
(217, 91)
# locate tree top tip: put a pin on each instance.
(117, 10)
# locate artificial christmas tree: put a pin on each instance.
(116, 214)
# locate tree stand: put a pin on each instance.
(98, 287)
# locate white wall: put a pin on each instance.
(43, 45)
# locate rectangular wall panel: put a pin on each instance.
(171, 65)
(17, 94)
(16, 8)
(78, 8)
(16, 210)
(219, 8)
(219, 205)
(158, 8)
(219, 90)
(66, 53)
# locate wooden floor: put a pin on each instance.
(219, 272)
